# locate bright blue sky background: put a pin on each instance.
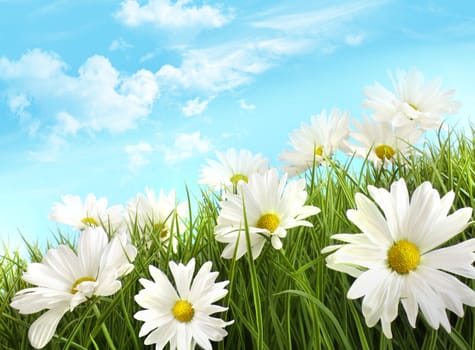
(109, 96)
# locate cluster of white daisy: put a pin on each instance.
(394, 259)
(66, 278)
(397, 122)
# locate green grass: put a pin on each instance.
(285, 299)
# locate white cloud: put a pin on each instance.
(67, 124)
(99, 97)
(119, 44)
(244, 105)
(169, 15)
(136, 155)
(147, 57)
(228, 66)
(312, 21)
(53, 146)
(185, 146)
(18, 105)
(354, 39)
(195, 106)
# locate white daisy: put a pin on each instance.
(233, 166)
(397, 257)
(181, 316)
(65, 279)
(382, 143)
(92, 213)
(161, 216)
(315, 143)
(414, 102)
(271, 207)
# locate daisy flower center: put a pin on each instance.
(161, 230)
(403, 257)
(384, 151)
(237, 177)
(268, 221)
(318, 151)
(79, 281)
(183, 311)
(89, 221)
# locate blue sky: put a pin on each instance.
(112, 96)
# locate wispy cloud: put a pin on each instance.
(185, 146)
(244, 105)
(195, 106)
(354, 39)
(227, 66)
(137, 155)
(312, 21)
(169, 15)
(119, 45)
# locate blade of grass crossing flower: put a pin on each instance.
(254, 283)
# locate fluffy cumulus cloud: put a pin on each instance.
(97, 98)
(195, 106)
(171, 15)
(185, 146)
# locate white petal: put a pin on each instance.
(91, 244)
(367, 282)
(369, 219)
(42, 330)
(457, 259)
(183, 274)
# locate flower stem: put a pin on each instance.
(105, 331)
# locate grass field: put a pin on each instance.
(284, 299)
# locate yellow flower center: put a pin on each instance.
(384, 151)
(403, 257)
(183, 311)
(79, 281)
(318, 151)
(268, 221)
(237, 177)
(161, 230)
(89, 221)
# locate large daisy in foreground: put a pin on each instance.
(271, 206)
(65, 279)
(181, 316)
(397, 257)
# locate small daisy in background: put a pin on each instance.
(181, 316)
(315, 143)
(271, 205)
(90, 213)
(382, 143)
(414, 102)
(65, 279)
(398, 258)
(232, 167)
(160, 216)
